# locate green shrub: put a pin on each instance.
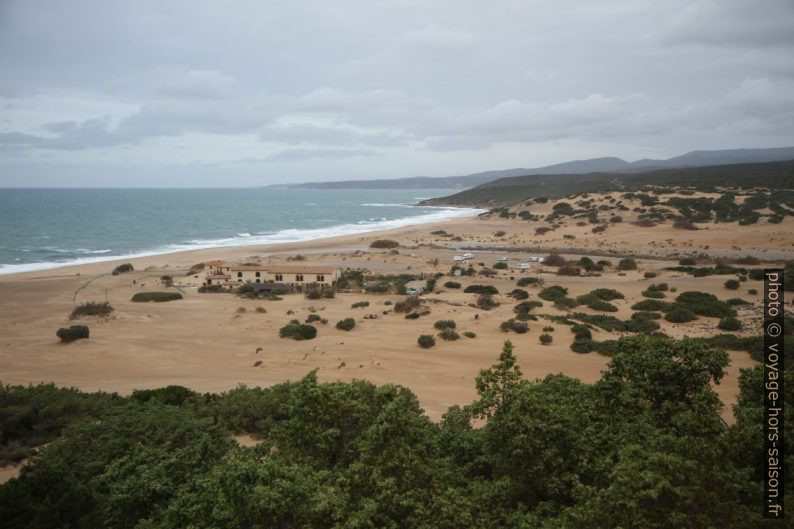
(91, 308)
(512, 325)
(481, 289)
(123, 269)
(359, 304)
(408, 304)
(752, 291)
(627, 264)
(679, 314)
(70, 334)
(172, 395)
(346, 325)
(735, 302)
(526, 307)
(519, 294)
(486, 302)
(687, 261)
(500, 266)
(452, 284)
(469, 334)
(651, 305)
(545, 339)
(384, 243)
(732, 284)
(602, 306)
(607, 294)
(311, 318)
(641, 323)
(654, 294)
(582, 346)
(298, 331)
(553, 293)
(565, 303)
(444, 324)
(581, 332)
(705, 304)
(526, 281)
(548, 328)
(448, 335)
(156, 296)
(426, 341)
(554, 259)
(649, 275)
(730, 324)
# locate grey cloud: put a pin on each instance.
(302, 155)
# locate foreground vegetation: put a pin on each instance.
(644, 447)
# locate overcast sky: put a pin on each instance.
(238, 93)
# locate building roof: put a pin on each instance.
(273, 269)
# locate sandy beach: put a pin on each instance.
(212, 342)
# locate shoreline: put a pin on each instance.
(470, 213)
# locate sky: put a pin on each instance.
(247, 93)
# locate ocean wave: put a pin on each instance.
(282, 236)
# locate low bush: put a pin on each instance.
(210, 289)
(527, 281)
(649, 275)
(426, 341)
(651, 305)
(553, 293)
(568, 270)
(408, 304)
(444, 324)
(469, 334)
(583, 346)
(486, 302)
(653, 294)
(732, 284)
(384, 243)
(704, 304)
(687, 261)
(359, 305)
(452, 284)
(548, 328)
(581, 332)
(156, 296)
(607, 294)
(519, 294)
(565, 303)
(736, 302)
(752, 291)
(627, 264)
(70, 334)
(298, 331)
(545, 339)
(680, 314)
(659, 287)
(91, 308)
(346, 325)
(554, 259)
(481, 289)
(730, 324)
(518, 327)
(641, 323)
(448, 335)
(500, 266)
(123, 269)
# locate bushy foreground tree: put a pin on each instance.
(644, 447)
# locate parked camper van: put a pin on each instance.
(503, 259)
(523, 266)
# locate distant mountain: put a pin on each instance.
(593, 165)
(451, 182)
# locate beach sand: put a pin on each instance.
(209, 344)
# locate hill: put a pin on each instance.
(504, 191)
(604, 164)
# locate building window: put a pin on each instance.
(258, 280)
(258, 274)
(320, 278)
(279, 277)
(209, 281)
(298, 277)
(239, 274)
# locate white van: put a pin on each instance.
(523, 266)
(503, 259)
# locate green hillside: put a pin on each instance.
(504, 191)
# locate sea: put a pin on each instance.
(47, 228)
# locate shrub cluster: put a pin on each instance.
(452, 284)
(156, 296)
(70, 334)
(444, 324)
(91, 308)
(346, 325)
(123, 268)
(384, 243)
(298, 331)
(426, 341)
(481, 289)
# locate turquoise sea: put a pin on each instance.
(47, 228)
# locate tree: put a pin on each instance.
(493, 383)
